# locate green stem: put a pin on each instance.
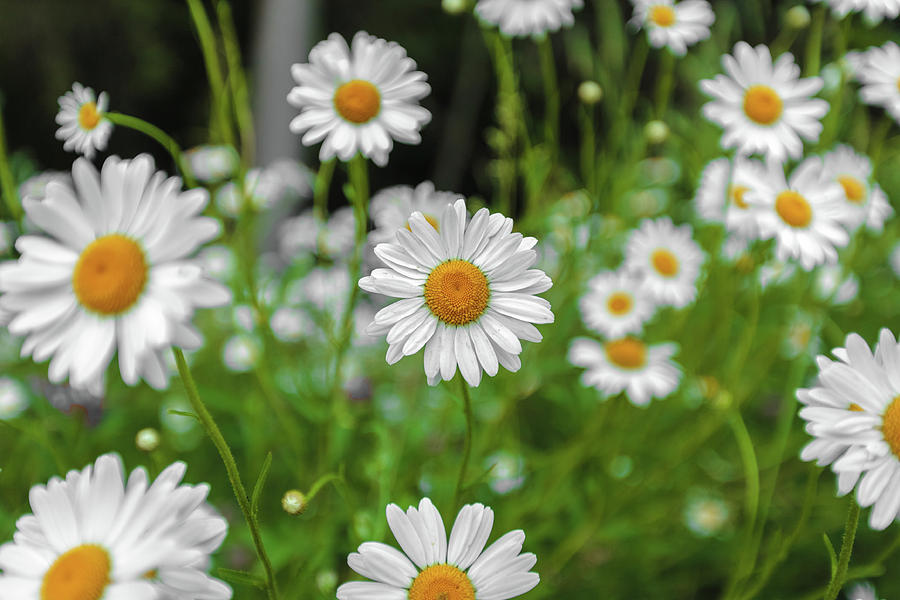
(7, 182)
(589, 152)
(876, 141)
(237, 81)
(213, 70)
(840, 573)
(551, 93)
(467, 449)
(665, 83)
(164, 140)
(814, 42)
(234, 476)
(633, 79)
(751, 495)
(320, 199)
(320, 483)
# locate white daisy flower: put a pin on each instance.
(92, 535)
(706, 516)
(643, 372)
(432, 567)
(391, 207)
(13, 398)
(81, 120)
(803, 214)
(865, 201)
(764, 107)
(674, 25)
(304, 233)
(862, 591)
(113, 273)
(469, 294)
(616, 304)
(720, 196)
(667, 258)
(212, 164)
(527, 17)
(879, 74)
(36, 185)
(874, 10)
(359, 98)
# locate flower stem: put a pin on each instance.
(551, 93)
(237, 80)
(7, 183)
(814, 42)
(320, 199)
(467, 448)
(234, 476)
(665, 83)
(840, 573)
(164, 140)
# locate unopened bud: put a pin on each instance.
(147, 439)
(294, 502)
(797, 17)
(454, 7)
(656, 132)
(590, 92)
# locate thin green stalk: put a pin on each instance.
(633, 79)
(814, 42)
(320, 198)
(751, 494)
(7, 182)
(551, 93)
(213, 70)
(234, 476)
(840, 573)
(237, 81)
(320, 483)
(876, 141)
(467, 448)
(665, 82)
(588, 151)
(832, 121)
(164, 139)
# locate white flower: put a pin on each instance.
(667, 258)
(874, 10)
(391, 207)
(304, 233)
(13, 398)
(879, 74)
(94, 536)
(358, 99)
(507, 472)
(212, 164)
(81, 120)
(527, 17)
(616, 304)
(36, 185)
(675, 25)
(114, 273)
(765, 108)
(835, 286)
(627, 364)
(241, 353)
(720, 196)
(706, 517)
(469, 294)
(862, 591)
(432, 567)
(282, 181)
(865, 201)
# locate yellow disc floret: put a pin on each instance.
(441, 582)
(664, 262)
(793, 208)
(627, 353)
(662, 15)
(890, 426)
(110, 274)
(357, 101)
(457, 292)
(762, 104)
(854, 189)
(619, 303)
(88, 117)
(82, 573)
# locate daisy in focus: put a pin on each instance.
(520, 18)
(358, 99)
(764, 107)
(627, 365)
(721, 195)
(674, 25)
(113, 273)
(865, 200)
(391, 207)
(874, 10)
(879, 73)
(92, 536)
(83, 126)
(667, 258)
(615, 304)
(469, 294)
(431, 567)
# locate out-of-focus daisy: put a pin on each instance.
(894, 260)
(874, 10)
(36, 185)
(776, 272)
(706, 516)
(391, 207)
(83, 125)
(507, 472)
(527, 17)
(676, 25)
(241, 353)
(628, 364)
(616, 304)
(667, 258)
(358, 98)
(879, 74)
(720, 196)
(802, 335)
(304, 233)
(211, 164)
(469, 294)
(865, 201)
(432, 567)
(95, 536)
(13, 398)
(764, 107)
(284, 181)
(835, 285)
(113, 273)
(862, 591)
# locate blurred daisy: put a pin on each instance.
(865, 201)
(36, 185)
(13, 398)
(359, 98)
(706, 517)
(615, 304)
(874, 10)
(643, 372)
(720, 196)
(94, 536)
(674, 25)
(432, 567)
(527, 17)
(765, 108)
(82, 123)
(862, 591)
(835, 285)
(469, 294)
(667, 258)
(506, 472)
(879, 74)
(211, 164)
(304, 233)
(391, 207)
(112, 273)
(283, 181)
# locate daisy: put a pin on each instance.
(803, 214)
(92, 535)
(615, 304)
(865, 201)
(667, 258)
(879, 73)
(764, 107)
(469, 294)
(304, 233)
(874, 10)
(862, 591)
(675, 25)
(83, 126)
(627, 364)
(527, 17)
(212, 164)
(358, 98)
(391, 207)
(432, 567)
(112, 273)
(720, 196)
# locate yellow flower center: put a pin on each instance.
(82, 573)
(854, 189)
(619, 303)
(357, 101)
(457, 292)
(628, 353)
(441, 582)
(431, 221)
(662, 15)
(88, 117)
(665, 263)
(762, 104)
(737, 195)
(110, 274)
(890, 426)
(793, 208)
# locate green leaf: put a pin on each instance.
(260, 483)
(243, 577)
(183, 413)
(831, 554)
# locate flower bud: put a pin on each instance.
(797, 17)
(454, 7)
(590, 92)
(147, 439)
(294, 502)
(656, 132)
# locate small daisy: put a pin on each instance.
(432, 567)
(627, 364)
(212, 164)
(803, 214)
(358, 98)
(879, 74)
(527, 17)
(675, 25)
(469, 294)
(862, 591)
(865, 201)
(390, 208)
(667, 258)
(874, 10)
(615, 304)
(83, 126)
(112, 273)
(92, 535)
(765, 108)
(720, 196)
